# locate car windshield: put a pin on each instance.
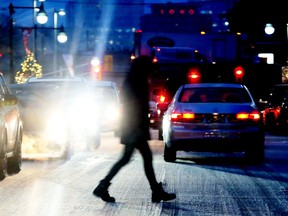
(69, 89)
(211, 94)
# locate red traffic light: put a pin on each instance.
(239, 73)
(194, 75)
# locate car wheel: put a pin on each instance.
(256, 153)
(14, 163)
(68, 150)
(68, 145)
(169, 154)
(3, 158)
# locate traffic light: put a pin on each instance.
(239, 74)
(194, 75)
(96, 69)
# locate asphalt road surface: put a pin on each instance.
(205, 183)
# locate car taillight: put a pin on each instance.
(248, 116)
(162, 98)
(182, 117)
(194, 75)
(188, 115)
(154, 60)
(176, 117)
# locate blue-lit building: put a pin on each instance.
(115, 22)
(100, 28)
(107, 28)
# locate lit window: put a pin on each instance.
(268, 56)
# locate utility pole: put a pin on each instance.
(11, 44)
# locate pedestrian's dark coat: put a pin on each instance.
(135, 102)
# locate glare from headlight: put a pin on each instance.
(112, 113)
(56, 129)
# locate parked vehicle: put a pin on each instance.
(275, 113)
(153, 115)
(11, 132)
(213, 117)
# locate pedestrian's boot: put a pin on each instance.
(159, 194)
(102, 191)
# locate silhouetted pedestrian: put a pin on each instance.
(135, 130)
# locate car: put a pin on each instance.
(11, 131)
(59, 109)
(153, 115)
(163, 98)
(275, 112)
(213, 117)
(106, 96)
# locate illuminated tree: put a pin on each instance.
(29, 68)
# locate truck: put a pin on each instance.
(213, 46)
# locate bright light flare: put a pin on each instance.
(112, 113)
(95, 61)
(57, 127)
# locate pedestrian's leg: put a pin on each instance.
(146, 153)
(102, 189)
(158, 192)
(125, 158)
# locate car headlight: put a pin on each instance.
(57, 127)
(112, 113)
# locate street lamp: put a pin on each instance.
(41, 18)
(62, 36)
(269, 29)
(41, 15)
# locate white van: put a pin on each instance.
(177, 55)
